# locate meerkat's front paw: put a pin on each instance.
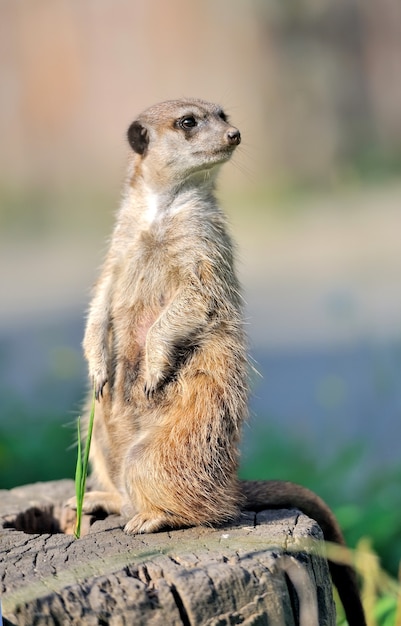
(99, 379)
(97, 355)
(98, 385)
(158, 371)
(152, 384)
(154, 378)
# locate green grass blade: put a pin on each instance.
(88, 445)
(81, 470)
(78, 483)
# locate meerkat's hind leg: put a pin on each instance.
(107, 501)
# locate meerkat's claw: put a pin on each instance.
(149, 391)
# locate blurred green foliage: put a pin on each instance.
(35, 447)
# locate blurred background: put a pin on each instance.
(313, 195)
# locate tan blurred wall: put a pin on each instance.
(308, 83)
(76, 73)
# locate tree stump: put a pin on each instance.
(253, 572)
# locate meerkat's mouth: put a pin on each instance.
(211, 159)
(227, 150)
(220, 155)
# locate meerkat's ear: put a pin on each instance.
(138, 137)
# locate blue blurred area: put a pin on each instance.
(327, 399)
(331, 398)
(42, 367)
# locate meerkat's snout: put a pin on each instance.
(233, 137)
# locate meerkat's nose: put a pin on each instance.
(234, 137)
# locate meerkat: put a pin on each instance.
(166, 347)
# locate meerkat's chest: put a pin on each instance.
(146, 274)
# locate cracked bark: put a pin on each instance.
(245, 573)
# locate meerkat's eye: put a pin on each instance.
(187, 122)
(222, 116)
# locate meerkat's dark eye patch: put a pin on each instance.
(187, 122)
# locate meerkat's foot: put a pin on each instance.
(142, 523)
(94, 500)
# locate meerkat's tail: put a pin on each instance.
(274, 494)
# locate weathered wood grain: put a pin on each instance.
(247, 573)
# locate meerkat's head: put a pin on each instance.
(177, 140)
